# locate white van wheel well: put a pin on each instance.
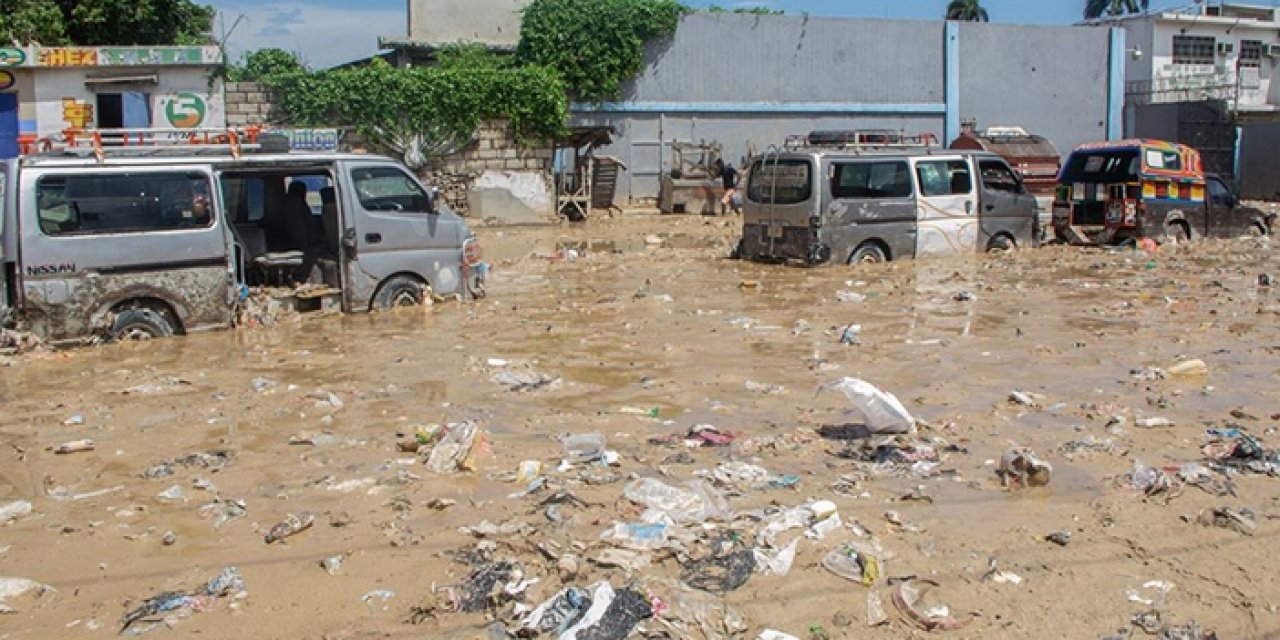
(157, 305)
(874, 243)
(389, 292)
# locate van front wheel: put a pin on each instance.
(400, 291)
(868, 253)
(140, 324)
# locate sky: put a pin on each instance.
(329, 32)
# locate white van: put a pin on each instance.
(879, 198)
(156, 241)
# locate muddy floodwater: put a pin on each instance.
(637, 328)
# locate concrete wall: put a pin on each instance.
(1052, 81)
(495, 22)
(248, 103)
(495, 149)
(750, 81)
(741, 58)
(183, 98)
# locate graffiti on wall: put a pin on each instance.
(77, 113)
(66, 57)
(10, 57)
(185, 110)
(108, 56)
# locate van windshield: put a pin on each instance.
(780, 181)
(1119, 165)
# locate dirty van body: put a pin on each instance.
(158, 242)
(1110, 192)
(851, 206)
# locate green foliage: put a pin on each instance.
(106, 22)
(27, 21)
(966, 11)
(1098, 8)
(260, 65)
(426, 111)
(596, 45)
(755, 11)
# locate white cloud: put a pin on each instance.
(322, 35)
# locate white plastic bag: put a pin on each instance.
(776, 564)
(697, 502)
(881, 409)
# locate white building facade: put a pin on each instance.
(1225, 52)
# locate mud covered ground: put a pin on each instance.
(669, 324)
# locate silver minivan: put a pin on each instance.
(874, 203)
(153, 242)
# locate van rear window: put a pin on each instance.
(1120, 165)
(780, 181)
(871, 180)
(122, 203)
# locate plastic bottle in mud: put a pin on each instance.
(290, 526)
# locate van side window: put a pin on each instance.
(996, 176)
(388, 189)
(944, 178)
(122, 203)
(855, 180)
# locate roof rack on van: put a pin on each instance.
(101, 143)
(863, 140)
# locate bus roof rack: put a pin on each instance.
(863, 140)
(150, 142)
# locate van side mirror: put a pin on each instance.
(433, 198)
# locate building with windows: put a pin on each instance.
(1219, 52)
(46, 91)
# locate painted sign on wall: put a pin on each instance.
(77, 113)
(7, 80)
(108, 56)
(10, 57)
(66, 57)
(185, 110)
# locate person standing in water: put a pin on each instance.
(729, 177)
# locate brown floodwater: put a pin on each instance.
(666, 322)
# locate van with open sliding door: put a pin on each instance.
(879, 196)
(150, 241)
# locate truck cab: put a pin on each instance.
(1109, 192)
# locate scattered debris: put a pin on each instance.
(914, 599)
(1020, 467)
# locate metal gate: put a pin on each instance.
(1208, 128)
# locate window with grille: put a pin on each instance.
(1193, 49)
(1250, 53)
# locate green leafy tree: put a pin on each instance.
(257, 66)
(106, 22)
(967, 11)
(1097, 8)
(596, 45)
(423, 113)
(31, 21)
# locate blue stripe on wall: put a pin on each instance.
(951, 34)
(907, 108)
(1115, 85)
